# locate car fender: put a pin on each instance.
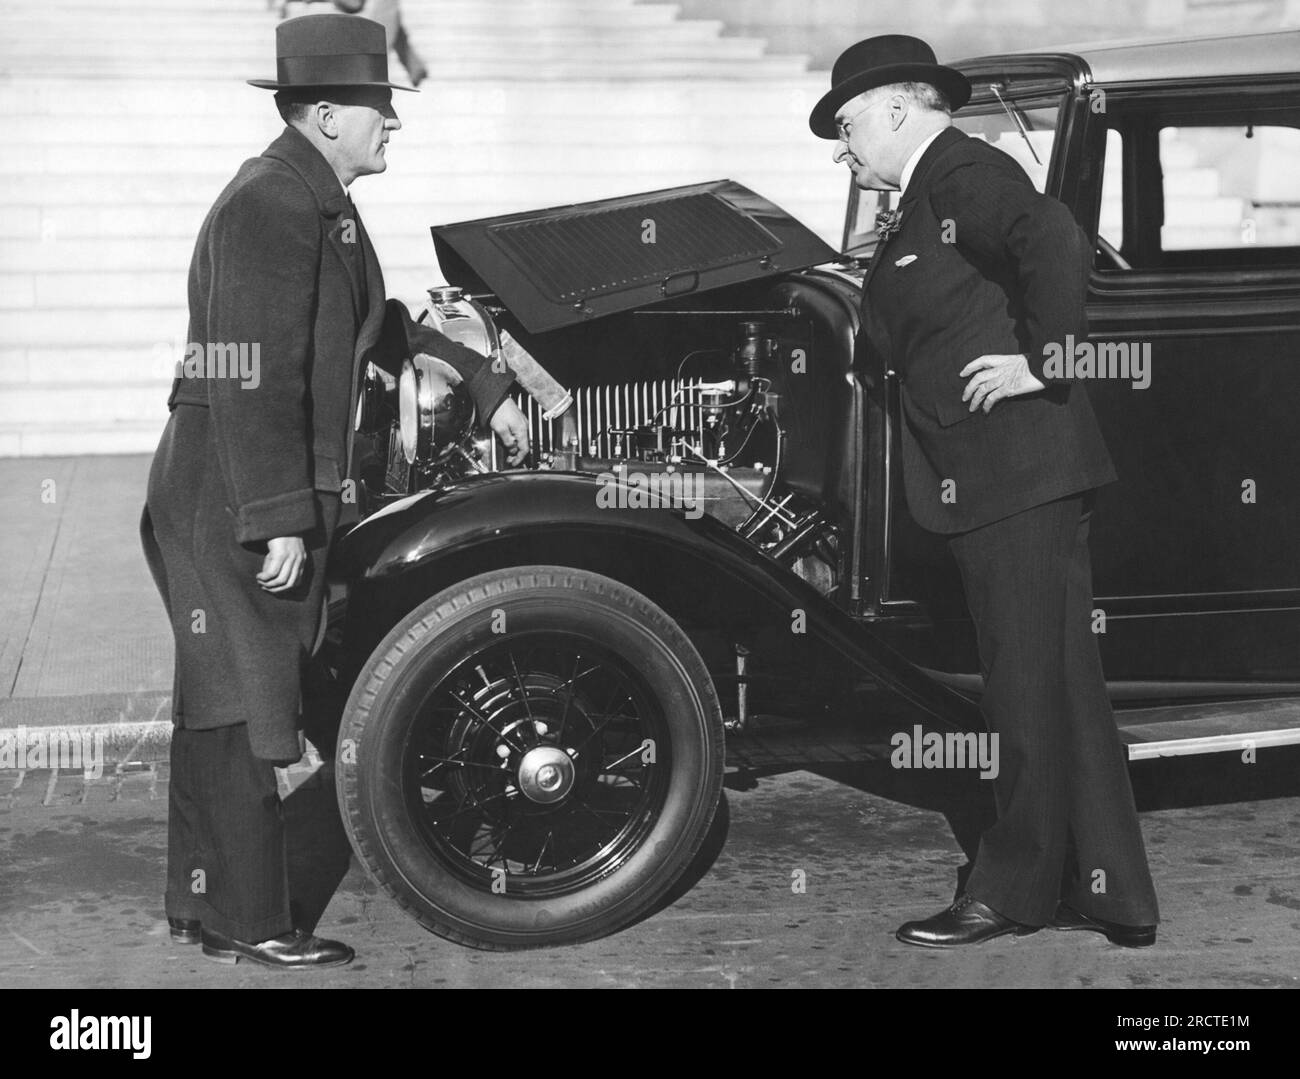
(701, 572)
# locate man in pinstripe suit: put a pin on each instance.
(975, 276)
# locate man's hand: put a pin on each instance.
(997, 377)
(569, 429)
(286, 558)
(509, 425)
(564, 451)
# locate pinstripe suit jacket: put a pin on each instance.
(981, 264)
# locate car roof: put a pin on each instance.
(1274, 52)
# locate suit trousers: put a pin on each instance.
(1066, 826)
(227, 865)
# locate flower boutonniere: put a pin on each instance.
(888, 222)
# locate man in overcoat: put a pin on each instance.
(975, 276)
(287, 306)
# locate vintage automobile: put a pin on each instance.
(545, 667)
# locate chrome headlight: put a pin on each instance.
(375, 388)
(435, 411)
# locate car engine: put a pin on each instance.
(708, 437)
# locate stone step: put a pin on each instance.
(98, 364)
(636, 165)
(545, 187)
(579, 97)
(403, 245)
(75, 231)
(629, 160)
(685, 41)
(680, 65)
(240, 39)
(399, 234)
(52, 327)
(48, 235)
(534, 103)
(154, 8)
(80, 404)
(40, 437)
(421, 15)
(437, 183)
(415, 12)
(127, 291)
(113, 255)
(144, 276)
(140, 134)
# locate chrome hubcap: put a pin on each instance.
(546, 774)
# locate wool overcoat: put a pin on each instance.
(286, 306)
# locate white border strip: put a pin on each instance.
(1215, 743)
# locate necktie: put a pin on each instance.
(356, 252)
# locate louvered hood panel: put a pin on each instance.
(569, 264)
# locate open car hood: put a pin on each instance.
(569, 264)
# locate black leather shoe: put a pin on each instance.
(967, 921)
(184, 930)
(1126, 936)
(296, 950)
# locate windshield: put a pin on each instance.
(989, 121)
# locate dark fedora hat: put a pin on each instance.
(329, 50)
(879, 61)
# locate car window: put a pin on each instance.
(1032, 147)
(1110, 225)
(860, 227)
(1000, 127)
(1216, 189)
(1233, 186)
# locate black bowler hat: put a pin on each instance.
(329, 50)
(879, 61)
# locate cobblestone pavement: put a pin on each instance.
(80, 898)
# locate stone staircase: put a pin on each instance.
(124, 126)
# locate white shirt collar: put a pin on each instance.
(910, 167)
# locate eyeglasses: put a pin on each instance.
(842, 127)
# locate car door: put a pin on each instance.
(1195, 308)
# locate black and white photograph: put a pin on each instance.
(595, 494)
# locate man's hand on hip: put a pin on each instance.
(286, 558)
(511, 427)
(996, 377)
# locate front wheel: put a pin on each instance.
(530, 757)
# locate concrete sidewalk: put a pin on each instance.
(84, 639)
(86, 653)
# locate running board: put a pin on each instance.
(1189, 729)
(1219, 743)
(1227, 725)
(1123, 692)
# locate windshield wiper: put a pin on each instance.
(1017, 117)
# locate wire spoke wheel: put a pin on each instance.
(535, 757)
(538, 758)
